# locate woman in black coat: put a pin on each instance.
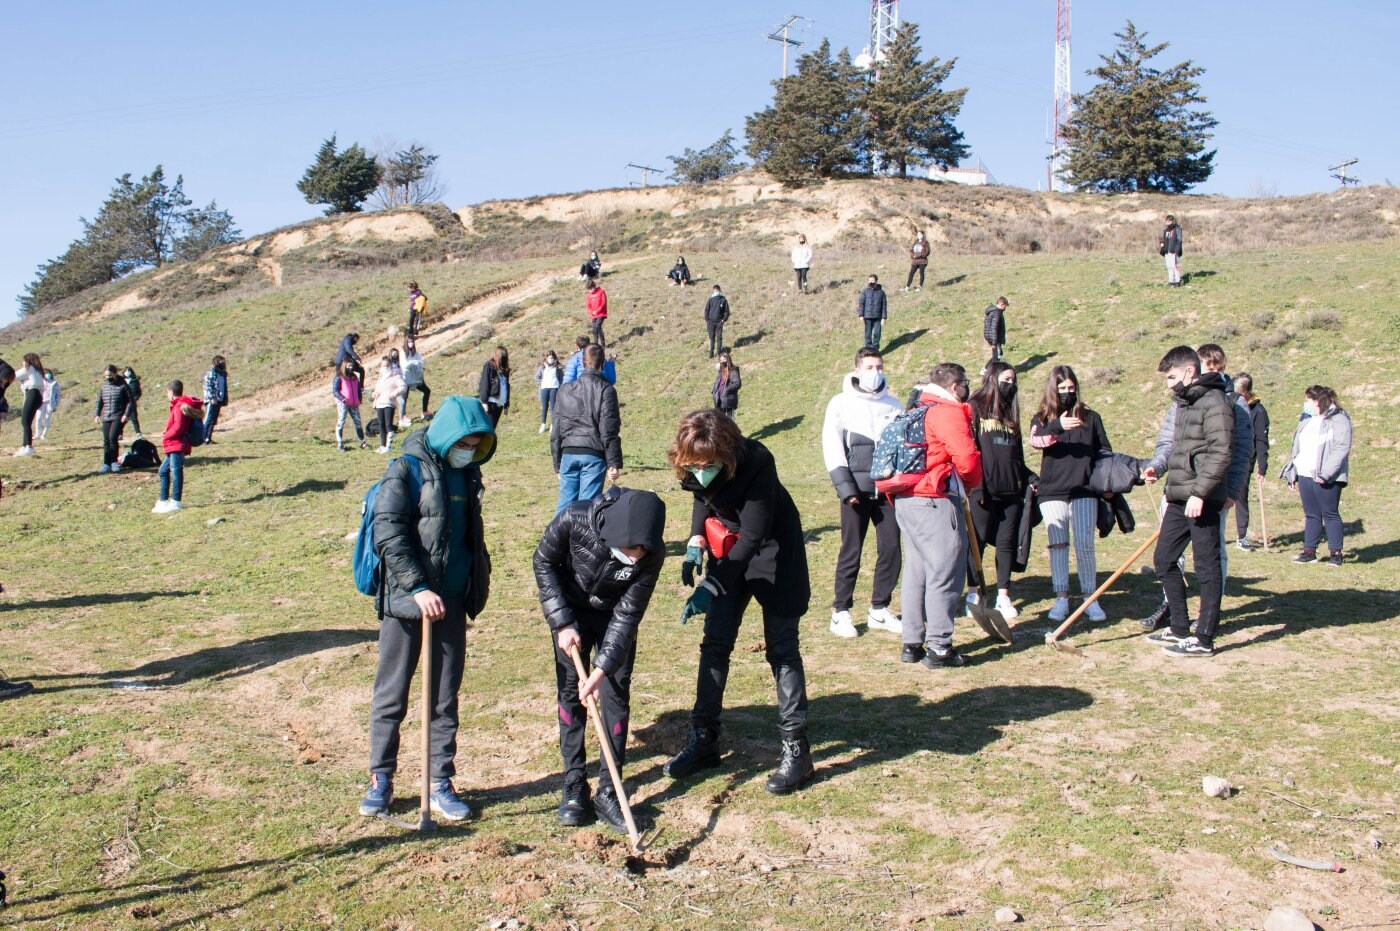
(493, 389)
(725, 390)
(746, 520)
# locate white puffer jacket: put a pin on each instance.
(854, 419)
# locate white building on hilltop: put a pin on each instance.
(962, 175)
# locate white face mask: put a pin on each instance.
(459, 458)
(1310, 408)
(870, 380)
(622, 557)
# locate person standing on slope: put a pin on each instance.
(215, 396)
(918, 260)
(417, 309)
(873, 309)
(1170, 249)
(801, 262)
(716, 315)
(175, 443)
(597, 304)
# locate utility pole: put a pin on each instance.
(780, 35)
(1341, 172)
(1059, 146)
(646, 171)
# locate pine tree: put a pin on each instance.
(815, 127)
(911, 116)
(205, 228)
(341, 180)
(408, 177)
(719, 159)
(1139, 129)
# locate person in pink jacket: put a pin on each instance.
(597, 311)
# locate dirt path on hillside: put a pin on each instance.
(310, 393)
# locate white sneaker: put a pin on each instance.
(1060, 609)
(1005, 608)
(174, 506)
(542, 428)
(884, 619)
(841, 625)
(104, 470)
(1094, 612)
(972, 599)
(161, 507)
(116, 467)
(25, 451)
(382, 450)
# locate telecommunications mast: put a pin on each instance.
(1059, 148)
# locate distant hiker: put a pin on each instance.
(854, 420)
(931, 526)
(52, 396)
(585, 441)
(591, 268)
(346, 352)
(493, 388)
(725, 391)
(216, 395)
(918, 260)
(1197, 469)
(679, 273)
(597, 304)
(1070, 437)
(997, 505)
(389, 391)
(175, 443)
(31, 383)
(716, 314)
(596, 569)
(411, 365)
(417, 309)
(746, 520)
(133, 385)
(574, 367)
(430, 538)
(872, 308)
(1170, 249)
(345, 388)
(1317, 470)
(1259, 460)
(549, 375)
(113, 409)
(994, 327)
(801, 262)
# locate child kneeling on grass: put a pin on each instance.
(596, 568)
(175, 443)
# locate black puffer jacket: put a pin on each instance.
(1199, 462)
(113, 400)
(717, 309)
(770, 555)
(872, 304)
(411, 536)
(726, 393)
(586, 420)
(576, 572)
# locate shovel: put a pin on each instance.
(987, 618)
(425, 815)
(597, 716)
(1053, 641)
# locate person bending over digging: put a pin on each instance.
(596, 568)
(429, 537)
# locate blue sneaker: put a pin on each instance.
(447, 803)
(380, 795)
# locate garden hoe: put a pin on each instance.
(597, 716)
(425, 816)
(987, 617)
(1053, 641)
(1263, 521)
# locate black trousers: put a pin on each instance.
(111, 440)
(32, 400)
(1242, 507)
(916, 268)
(422, 389)
(1203, 533)
(716, 331)
(598, 332)
(784, 658)
(614, 700)
(400, 645)
(801, 278)
(856, 520)
(493, 410)
(386, 423)
(996, 523)
(135, 418)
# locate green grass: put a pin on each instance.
(224, 795)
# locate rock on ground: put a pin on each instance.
(1284, 918)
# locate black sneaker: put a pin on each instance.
(575, 809)
(912, 653)
(1246, 544)
(700, 752)
(1189, 647)
(1335, 559)
(1306, 556)
(608, 809)
(1155, 619)
(950, 657)
(1164, 637)
(10, 689)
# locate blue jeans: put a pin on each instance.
(580, 478)
(872, 332)
(546, 402)
(211, 417)
(172, 476)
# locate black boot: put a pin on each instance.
(701, 752)
(575, 808)
(607, 807)
(794, 769)
(1154, 620)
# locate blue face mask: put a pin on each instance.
(704, 474)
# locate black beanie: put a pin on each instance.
(637, 518)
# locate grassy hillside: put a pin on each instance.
(195, 748)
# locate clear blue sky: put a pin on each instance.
(556, 97)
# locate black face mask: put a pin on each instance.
(1068, 399)
(1007, 390)
(1179, 389)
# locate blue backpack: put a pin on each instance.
(900, 459)
(196, 434)
(365, 562)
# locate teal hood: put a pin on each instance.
(456, 418)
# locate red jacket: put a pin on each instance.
(597, 304)
(951, 447)
(176, 438)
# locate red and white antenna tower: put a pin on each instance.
(1059, 149)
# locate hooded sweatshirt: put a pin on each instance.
(458, 417)
(854, 420)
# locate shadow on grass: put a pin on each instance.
(778, 426)
(87, 601)
(629, 335)
(1032, 362)
(904, 339)
(217, 663)
(305, 486)
(949, 282)
(749, 340)
(816, 533)
(1350, 528)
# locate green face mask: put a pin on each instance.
(704, 474)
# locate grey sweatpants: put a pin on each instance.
(935, 564)
(400, 643)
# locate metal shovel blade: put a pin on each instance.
(991, 622)
(1062, 646)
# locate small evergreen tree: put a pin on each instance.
(1138, 129)
(911, 116)
(408, 177)
(341, 180)
(815, 127)
(205, 228)
(719, 159)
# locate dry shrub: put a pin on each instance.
(1223, 331)
(1110, 375)
(1263, 320)
(1323, 319)
(1270, 340)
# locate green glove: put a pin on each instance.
(699, 602)
(693, 556)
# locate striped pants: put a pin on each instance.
(1076, 519)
